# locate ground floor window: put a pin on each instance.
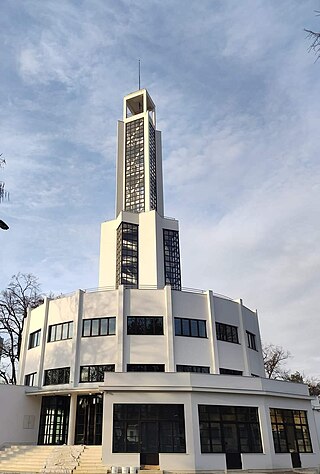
(148, 428)
(226, 429)
(290, 431)
(54, 420)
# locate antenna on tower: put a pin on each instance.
(139, 74)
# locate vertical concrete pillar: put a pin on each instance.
(214, 353)
(243, 341)
(72, 419)
(169, 328)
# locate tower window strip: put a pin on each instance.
(172, 271)
(127, 255)
(152, 167)
(134, 166)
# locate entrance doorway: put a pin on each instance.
(149, 453)
(89, 419)
(54, 418)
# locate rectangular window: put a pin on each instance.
(190, 327)
(251, 340)
(145, 367)
(30, 379)
(152, 167)
(230, 371)
(34, 339)
(227, 333)
(290, 431)
(59, 332)
(172, 271)
(57, 376)
(146, 325)
(99, 327)
(127, 255)
(139, 428)
(193, 368)
(225, 428)
(94, 373)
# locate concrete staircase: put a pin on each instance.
(23, 458)
(90, 461)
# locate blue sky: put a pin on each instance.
(237, 98)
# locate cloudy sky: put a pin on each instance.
(237, 98)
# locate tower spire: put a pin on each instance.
(139, 74)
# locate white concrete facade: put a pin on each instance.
(140, 341)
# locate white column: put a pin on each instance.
(243, 341)
(72, 419)
(214, 353)
(169, 329)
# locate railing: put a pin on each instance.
(141, 287)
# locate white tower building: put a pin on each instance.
(157, 374)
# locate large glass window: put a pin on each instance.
(230, 371)
(227, 333)
(34, 339)
(127, 255)
(58, 332)
(99, 327)
(140, 428)
(146, 325)
(190, 327)
(290, 431)
(94, 373)
(134, 166)
(172, 271)
(193, 368)
(225, 429)
(145, 367)
(56, 376)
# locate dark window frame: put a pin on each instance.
(224, 371)
(127, 256)
(145, 367)
(171, 253)
(251, 339)
(59, 376)
(145, 325)
(60, 332)
(166, 420)
(189, 327)
(134, 166)
(227, 333)
(95, 372)
(91, 323)
(34, 339)
(200, 369)
(216, 422)
(29, 379)
(295, 423)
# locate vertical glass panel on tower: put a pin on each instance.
(172, 272)
(152, 161)
(127, 255)
(134, 166)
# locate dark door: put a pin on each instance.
(295, 458)
(149, 443)
(54, 418)
(233, 461)
(89, 419)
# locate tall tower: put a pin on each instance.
(140, 247)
